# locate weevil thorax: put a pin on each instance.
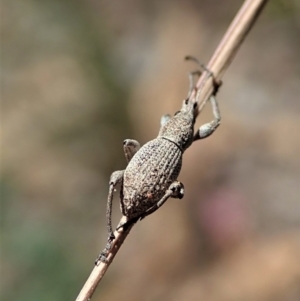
(180, 128)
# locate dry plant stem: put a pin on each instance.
(221, 59)
(229, 45)
(100, 269)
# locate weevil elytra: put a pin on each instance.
(150, 177)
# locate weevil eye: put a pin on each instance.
(195, 105)
(176, 113)
(186, 101)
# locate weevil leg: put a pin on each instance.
(102, 257)
(191, 75)
(115, 178)
(216, 83)
(130, 148)
(216, 86)
(191, 80)
(208, 128)
(164, 119)
(128, 223)
(176, 191)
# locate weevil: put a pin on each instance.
(150, 177)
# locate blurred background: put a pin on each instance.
(79, 77)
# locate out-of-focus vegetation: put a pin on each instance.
(78, 77)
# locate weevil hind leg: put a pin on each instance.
(128, 223)
(176, 191)
(115, 178)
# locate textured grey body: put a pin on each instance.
(148, 175)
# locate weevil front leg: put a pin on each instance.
(208, 128)
(130, 148)
(165, 118)
(191, 80)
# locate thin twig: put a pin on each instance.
(220, 60)
(229, 45)
(100, 269)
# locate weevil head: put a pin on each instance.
(180, 127)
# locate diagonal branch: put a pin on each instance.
(100, 269)
(219, 62)
(229, 45)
